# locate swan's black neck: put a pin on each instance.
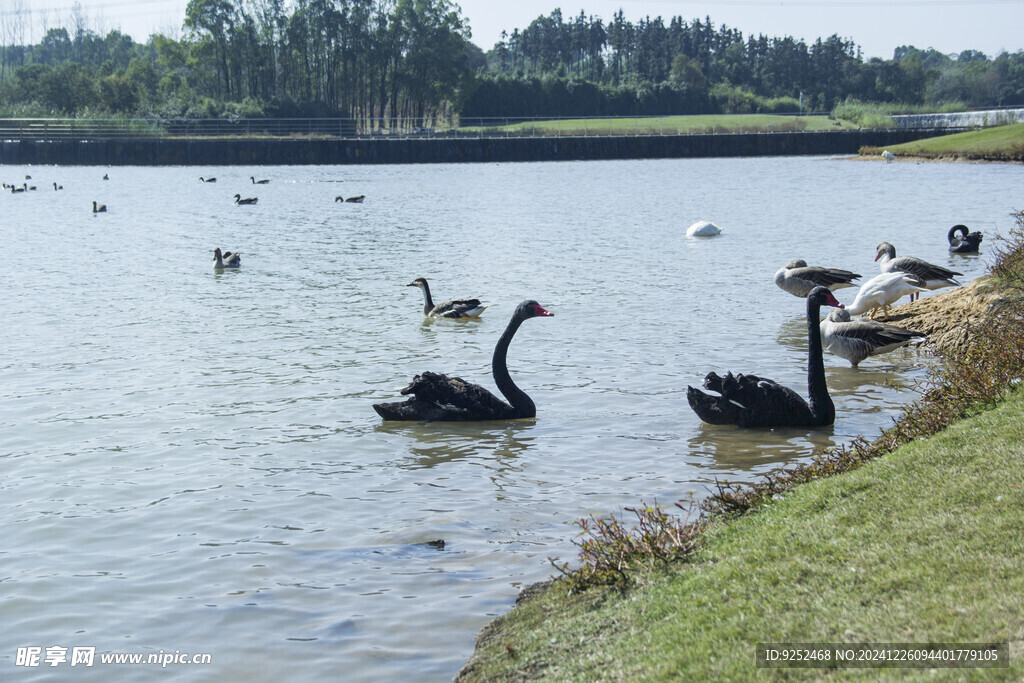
(428, 303)
(522, 405)
(952, 234)
(822, 408)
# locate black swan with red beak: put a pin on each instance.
(437, 397)
(751, 401)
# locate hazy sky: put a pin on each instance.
(878, 26)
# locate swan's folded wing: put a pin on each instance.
(923, 269)
(455, 393)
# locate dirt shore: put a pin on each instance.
(948, 318)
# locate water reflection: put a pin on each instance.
(439, 443)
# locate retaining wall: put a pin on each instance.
(412, 150)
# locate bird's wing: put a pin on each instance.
(824, 277)
(455, 308)
(454, 393)
(923, 269)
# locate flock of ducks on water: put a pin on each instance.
(739, 399)
(239, 199)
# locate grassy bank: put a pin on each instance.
(669, 125)
(920, 546)
(1002, 143)
(911, 538)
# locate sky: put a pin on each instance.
(877, 26)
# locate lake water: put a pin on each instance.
(190, 461)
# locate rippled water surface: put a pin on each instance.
(190, 461)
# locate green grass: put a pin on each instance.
(1001, 143)
(923, 545)
(733, 123)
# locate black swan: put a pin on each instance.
(229, 259)
(935, 277)
(99, 208)
(436, 397)
(799, 279)
(207, 180)
(855, 340)
(248, 200)
(258, 182)
(968, 243)
(453, 308)
(751, 401)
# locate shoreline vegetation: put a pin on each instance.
(999, 144)
(913, 537)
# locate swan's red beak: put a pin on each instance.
(832, 301)
(543, 312)
(878, 256)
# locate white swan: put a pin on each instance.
(882, 290)
(855, 340)
(703, 229)
(888, 156)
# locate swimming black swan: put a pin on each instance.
(437, 397)
(453, 308)
(799, 279)
(855, 340)
(258, 182)
(967, 244)
(751, 401)
(229, 259)
(99, 208)
(935, 277)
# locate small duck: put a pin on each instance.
(99, 208)
(228, 259)
(258, 182)
(106, 177)
(207, 180)
(247, 200)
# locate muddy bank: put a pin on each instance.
(948, 318)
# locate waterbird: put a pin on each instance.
(855, 340)
(884, 289)
(752, 401)
(963, 242)
(935, 277)
(99, 208)
(228, 259)
(798, 278)
(437, 397)
(258, 182)
(453, 308)
(247, 200)
(703, 229)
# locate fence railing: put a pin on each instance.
(100, 129)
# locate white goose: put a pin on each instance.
(882, 290)
(855, 340)
(935, 277)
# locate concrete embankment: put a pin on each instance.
(411, 150)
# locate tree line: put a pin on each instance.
(395, 63)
